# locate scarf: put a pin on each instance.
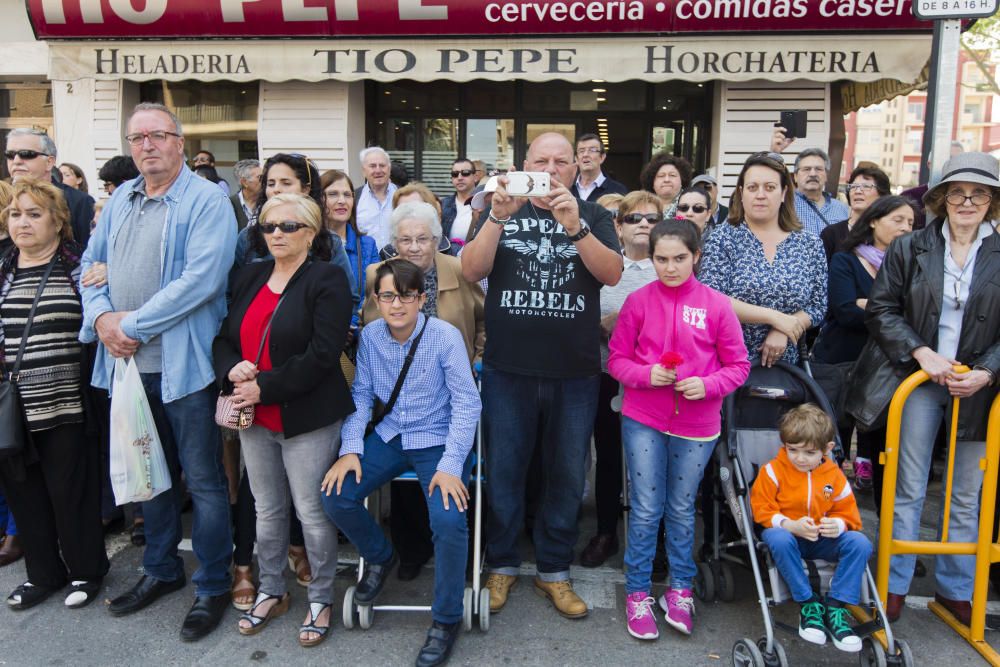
(870, 254)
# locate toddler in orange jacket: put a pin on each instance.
(808, 510)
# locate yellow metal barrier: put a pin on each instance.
(984, 549)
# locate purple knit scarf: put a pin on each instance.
(870, 254)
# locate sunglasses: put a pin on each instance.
(288, 227)
(309, 174)
(24, 154)
(697, 208)
(636, 218)
(770, 155)
(463, 172)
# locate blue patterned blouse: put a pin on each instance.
(733, 263)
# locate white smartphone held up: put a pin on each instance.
(522, 184)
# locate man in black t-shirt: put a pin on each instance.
(546, 259)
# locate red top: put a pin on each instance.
(251, 329)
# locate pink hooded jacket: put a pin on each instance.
(697, 323)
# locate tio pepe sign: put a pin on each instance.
(954, 9)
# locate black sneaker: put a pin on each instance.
(811, 625)
(840, 629)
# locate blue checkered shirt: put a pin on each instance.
(438, 404)
(832, 209)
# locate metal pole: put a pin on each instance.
(945, 86)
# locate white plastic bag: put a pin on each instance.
(138, 467)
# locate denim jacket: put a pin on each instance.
(196, 251)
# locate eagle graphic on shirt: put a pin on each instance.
(543, 264)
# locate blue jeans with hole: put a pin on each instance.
(664, 472)
(381, 463)
(517, 408)
(192, 445)
(922, 415)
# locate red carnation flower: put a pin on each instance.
(671, 360)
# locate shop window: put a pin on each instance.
(440, 148)
(488, 97)
(533, 130)
(220, 117)
(399, 139)
(25, 105)
(492, 141)
(563, 96)
(413, 96)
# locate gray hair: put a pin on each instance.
(420, 211)
(48, 146)
(813, 152)
(156, 106)
(243, 168)
(365, 152)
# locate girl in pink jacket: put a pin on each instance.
(678, 350)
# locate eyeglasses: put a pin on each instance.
(697, 208)
(636, 218)
(957, 198)
(24, 154)
(389, 297)
(155, 138)
(861, 187)
(420, 240)
(770, 155)
(462, 172)
(287, 227)
(592, 150)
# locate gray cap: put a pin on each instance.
(703, 178)
(969, 168)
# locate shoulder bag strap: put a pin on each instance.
(361, 292)
(31, 316)
(267, 329)
(406, 367)
(818, 212)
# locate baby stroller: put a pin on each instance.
(750, 440)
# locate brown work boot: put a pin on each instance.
(499, 586)
(894, 606)
(562, 597)
(960, 609)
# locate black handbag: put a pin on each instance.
(14, 434)
(380, 409)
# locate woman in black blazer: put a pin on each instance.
(287, 371)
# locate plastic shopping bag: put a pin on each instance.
(138, 467)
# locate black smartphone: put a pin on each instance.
(794, 123)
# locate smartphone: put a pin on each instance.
(794, 123)
(522, 183)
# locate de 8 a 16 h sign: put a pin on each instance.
(954, 9)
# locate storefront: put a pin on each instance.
(704, 78)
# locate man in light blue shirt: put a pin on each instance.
(815, 208)
(375, 196)
(168, 239)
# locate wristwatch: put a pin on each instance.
(584, 231)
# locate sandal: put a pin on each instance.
(27, 595)
(258, 623)
(298, 561)
(244, 591)
(82, 593)
(316, 610)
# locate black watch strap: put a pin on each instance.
(584, 231)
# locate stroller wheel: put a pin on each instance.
(904, 654)
(746, 654)
(350, 610)
(704, 583)
(775, 659)
(467, 616)
(725, 585)
(872, 653)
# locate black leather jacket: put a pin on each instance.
(903, 312)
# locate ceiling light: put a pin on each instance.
(602, 99)
(597, 80)
(600, 90)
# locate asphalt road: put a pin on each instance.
(526, 632)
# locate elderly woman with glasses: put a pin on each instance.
(415, 232)
(935, 303)
(866, 184)
(774, 272)
(279, 350)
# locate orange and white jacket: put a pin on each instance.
(784, 492)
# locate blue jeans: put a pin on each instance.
(192, 444)
(382, 463)
(922, 416)
(558, 414)
(664, 472)
(850, 551)
(7, 525)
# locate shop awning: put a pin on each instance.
(866, 58)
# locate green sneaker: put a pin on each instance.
(841, 630)
(811, 625)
